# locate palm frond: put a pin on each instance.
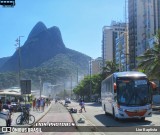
(149, 62)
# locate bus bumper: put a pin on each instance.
(125, 114)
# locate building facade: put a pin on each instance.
(144, 21)
(110, 33)
(122, 52)
(97, 66)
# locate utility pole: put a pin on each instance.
(18, 40)
(90, 72)
(40, 81)
(64, 90)
(77, 76)
(71, 87)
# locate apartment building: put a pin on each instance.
(144, 21)
(96, 66)
(122, 52)
(110, 33)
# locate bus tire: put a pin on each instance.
(114, 115)
(143, 119)
(105, 110)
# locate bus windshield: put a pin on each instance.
(133, 92)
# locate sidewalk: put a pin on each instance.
(37, 114)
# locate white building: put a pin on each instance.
(110, 33)
(97, 66)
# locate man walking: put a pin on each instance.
(42, 104)
(82, 106)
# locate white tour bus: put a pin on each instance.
(127, 95)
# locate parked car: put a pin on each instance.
(67, 100)
(8, 107)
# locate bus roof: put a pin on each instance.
(129, 74)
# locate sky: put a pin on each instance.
(80, 22)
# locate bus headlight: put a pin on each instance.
(121, 109)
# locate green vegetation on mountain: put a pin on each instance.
(54, 70)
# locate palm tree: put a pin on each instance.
(110, 68)
(149, 62)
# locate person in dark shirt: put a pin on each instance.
(34, 104)
(9, 120)
(0, 105)
(82, 106)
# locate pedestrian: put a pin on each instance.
(82, 106)
(55, 100)
(42, 104)
(0, 104)
(9, 120)
(47, 102)
(38, 104)
(34, 104)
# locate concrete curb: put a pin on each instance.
(80, 126)
(72, 118)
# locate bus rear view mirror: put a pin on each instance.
(153, 85)
(115, 88)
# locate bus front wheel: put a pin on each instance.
(105, 110)
(143, 119)
(114, 116)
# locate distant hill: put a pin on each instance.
(3, 60)
(44, 48)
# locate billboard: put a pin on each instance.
(25, 86)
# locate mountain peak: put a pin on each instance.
(38, 28)
(42, 45)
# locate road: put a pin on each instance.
(96, 117)
(93, 117)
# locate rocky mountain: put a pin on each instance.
(3, 60)
(42, 45)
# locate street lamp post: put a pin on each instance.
(127, 61)
(120, 61)
(64, 92)
(77, 76)
(126, 64)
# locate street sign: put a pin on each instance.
(25, 86)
